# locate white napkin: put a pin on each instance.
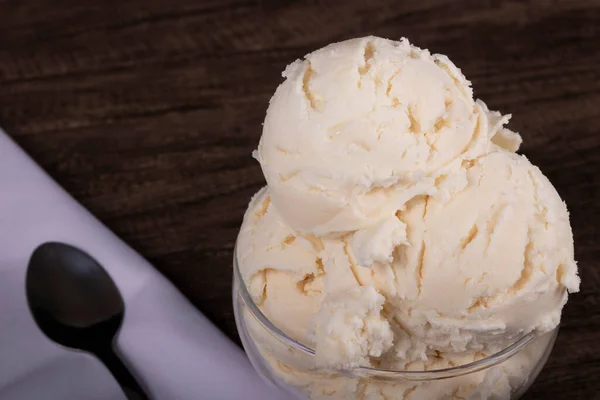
(175, 350)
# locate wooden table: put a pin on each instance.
(147, 111)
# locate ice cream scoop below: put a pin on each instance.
(485, 267)
(476, 272)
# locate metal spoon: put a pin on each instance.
(77, 304)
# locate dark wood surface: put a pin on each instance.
(146, 111)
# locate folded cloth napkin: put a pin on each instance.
(176, 352)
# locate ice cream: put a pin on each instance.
(360, 127)
(398, 228)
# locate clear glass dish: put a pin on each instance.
(289, 365)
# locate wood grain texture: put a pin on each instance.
(147, 111)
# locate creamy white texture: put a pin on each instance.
(349, 326)
(488, 265)
(398, 225)
(359, 127)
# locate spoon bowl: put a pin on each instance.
(72, 297)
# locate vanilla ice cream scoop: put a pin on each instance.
(487, 266)
(360, 127)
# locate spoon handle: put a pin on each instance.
(128, 383)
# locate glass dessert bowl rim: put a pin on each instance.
(475, 366)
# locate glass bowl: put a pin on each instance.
(289, 365)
